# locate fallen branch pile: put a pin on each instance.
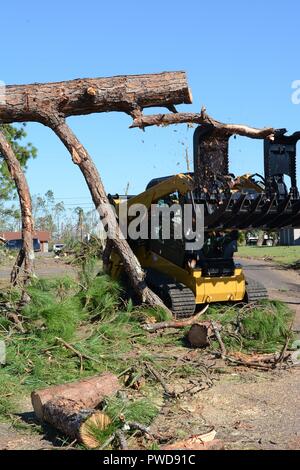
(201, 333)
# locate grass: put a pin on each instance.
(284, 255)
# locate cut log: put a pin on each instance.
(127, 93)
(26, 254)
(76, 422)
(88, 393)
(199, 334)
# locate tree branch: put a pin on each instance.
(143, 121)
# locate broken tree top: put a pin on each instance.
(127, 93)
(51, 103)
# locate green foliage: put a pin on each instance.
(266, 328)
(15, 135)
(263, 328)
(142, 411)
(242, 238)
(101, 298)
(51, 304)
(10, 391)
(97, 324)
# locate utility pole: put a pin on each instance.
(80, 224)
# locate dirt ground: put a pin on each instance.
(248, 409)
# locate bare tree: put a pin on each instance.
(26, 253)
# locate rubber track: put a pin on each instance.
(255, 291)
(177, 297)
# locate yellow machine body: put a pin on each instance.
(205, 289)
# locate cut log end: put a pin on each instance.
(88, 430)
(78, 423)
(198, 336)
(189, 97)
(37, 405)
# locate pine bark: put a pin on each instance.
(127, 93)
(89, 392)
(76, 422)
(26, 253)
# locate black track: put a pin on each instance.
(177, 297)
(255, 291)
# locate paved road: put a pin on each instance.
(45, 266)
(282, 284)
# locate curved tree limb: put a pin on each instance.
(26, 254)
(143, 121)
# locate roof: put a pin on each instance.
(42, 235)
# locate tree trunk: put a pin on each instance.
(131, 265)
(26, 254)
(106, 254)
(87, 392)
(75, 422)
(128, 93)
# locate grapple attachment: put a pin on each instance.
(250, 201)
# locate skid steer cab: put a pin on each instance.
(185, 278)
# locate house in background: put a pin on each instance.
(290, 236)
(42, 236)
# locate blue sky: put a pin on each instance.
(240, 57)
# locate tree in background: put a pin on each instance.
(64, 225)
(10, 215)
